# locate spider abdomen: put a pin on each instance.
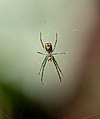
(49, 58)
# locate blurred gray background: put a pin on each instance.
(20, 25)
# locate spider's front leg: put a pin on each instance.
(55, 41)
(41, 40)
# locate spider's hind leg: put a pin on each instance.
(57, 69)
(42, 65)
(58, 66)
(43, 70)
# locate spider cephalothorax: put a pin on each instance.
(48, 47)
(49, 57)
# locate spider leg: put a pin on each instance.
(41, 53)
(60, 53)
(57, 69)
(55, 41)
(57, 66)
(41, 40)
(43, 70)
(42, 65)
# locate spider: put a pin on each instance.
(49, 56)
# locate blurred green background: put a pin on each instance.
(21, 93)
